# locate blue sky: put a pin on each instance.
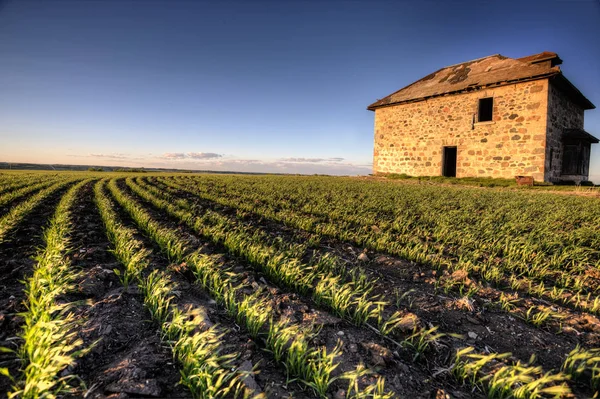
(276, 86)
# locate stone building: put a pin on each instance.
(491, 117)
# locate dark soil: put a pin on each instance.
(128, 358)
(359, 344)
(271, 378)
(479, 318)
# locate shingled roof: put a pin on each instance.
(495, 70)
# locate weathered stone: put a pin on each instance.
(537, 89)
(380, 355)
(408, 323)
(248, 379)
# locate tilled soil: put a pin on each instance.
(129, 360)
(271, 378)
(359, 344)
(478, 319)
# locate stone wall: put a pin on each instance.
(562, 114)
(409, 138)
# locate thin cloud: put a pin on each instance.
(203, 155)
(173, 155)
(310, 160)
(110, 156)
(190, 155)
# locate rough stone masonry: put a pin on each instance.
(535, 127)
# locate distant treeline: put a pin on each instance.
(97, 168)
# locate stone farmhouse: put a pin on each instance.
(490, 117)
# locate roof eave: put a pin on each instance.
(574, 92)
(579, 134)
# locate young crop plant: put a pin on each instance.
(49, 338)
(289, 344)
(584, 365)
(421, 340)
(424, 228)
(351, 300)
(205, 370)
(320, 366)
(374, 391)
(508, 302)
(254, 311)
(398, 319)
(539, 317)
(499, 380)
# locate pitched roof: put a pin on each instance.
(494, 70)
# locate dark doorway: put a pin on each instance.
(449, 169)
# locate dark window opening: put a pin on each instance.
(576, 157)
(449, 162)
(486, 109)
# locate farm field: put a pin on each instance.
(208, 286)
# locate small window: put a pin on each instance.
(486, 107)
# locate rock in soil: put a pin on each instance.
(380, 355)
(248, 379)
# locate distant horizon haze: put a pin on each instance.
(251, 86)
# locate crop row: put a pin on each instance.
(207, 367)
(509, 226)
(421, 251)
(205, 371)
(14, 194)
(9, 183)
(538, 381)
(288, 342)
(49, 336)
(17, 213)
(295, 245)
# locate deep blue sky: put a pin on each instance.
(257, 86)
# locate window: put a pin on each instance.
(486, 107)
